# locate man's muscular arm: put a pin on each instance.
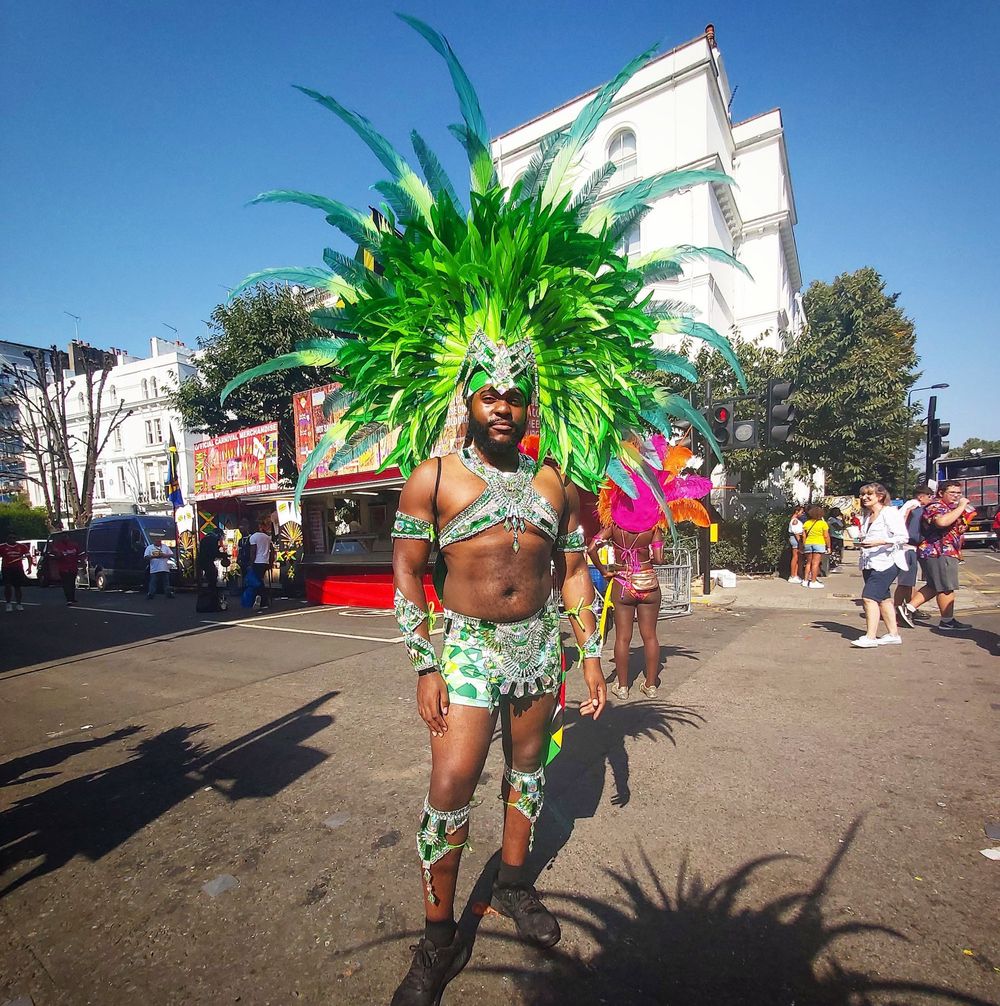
(573, 579)
(409, 564)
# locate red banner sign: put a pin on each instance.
(237, 464)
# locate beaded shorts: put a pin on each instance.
(483, 661)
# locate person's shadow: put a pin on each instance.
(845, 631)
(574, 782)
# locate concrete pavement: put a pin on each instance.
(791, 820)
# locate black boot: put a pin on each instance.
(432, 968)
(535, 923)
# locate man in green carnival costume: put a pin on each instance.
(520, 299)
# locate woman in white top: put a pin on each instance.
(795, 530)
(883, 535)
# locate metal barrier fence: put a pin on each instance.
(675, 583)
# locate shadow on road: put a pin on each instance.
(846, 631)
(13, 772)
(699, 943)
(92, 814)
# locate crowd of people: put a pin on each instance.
(923, 536)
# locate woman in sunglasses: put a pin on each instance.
(883, 534)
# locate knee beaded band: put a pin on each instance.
(531, 787)
(410, 617)
(432, 839)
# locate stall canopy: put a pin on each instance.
(242, 463)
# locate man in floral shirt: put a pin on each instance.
(943, 528)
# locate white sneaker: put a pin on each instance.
(10, 607)
(795, 579)
(20, 607)
(816, 585)
(805, 583)
(256, 604)
(888, 640)
(864, 642)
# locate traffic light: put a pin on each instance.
(720, 418)
(745, 434)
(936, 433)
(780, 412)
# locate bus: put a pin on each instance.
(980, 481)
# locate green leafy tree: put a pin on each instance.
(975, 444)
(247, 332)
(759, 364)
(23, 520)
(853, 366)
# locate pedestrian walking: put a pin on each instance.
(12, 558)
(159, 555)
(996, 532)
(795, 543)
(66, 554)
(835, 519)
(911, 512)
(943, 526)
(263, 557)
(815, 544)
(883, 535)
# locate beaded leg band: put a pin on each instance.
(432, 839)
(531, 787)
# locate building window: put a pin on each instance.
(117, 435)
(99, 489)
(149, 432)
(621, 153)
(152, 386)
(145, 388)
(113, 393)
(159, 431)
(629, 243)
(79, 400)
(121, 480)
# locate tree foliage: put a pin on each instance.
(250, 330)
(23, 520)
(853, 366)
(975, 444)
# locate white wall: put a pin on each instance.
(677, 108)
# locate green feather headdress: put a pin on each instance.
(527, 275)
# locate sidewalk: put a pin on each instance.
(842, 592)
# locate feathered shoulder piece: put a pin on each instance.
(523, 283)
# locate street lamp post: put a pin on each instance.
(906, 431)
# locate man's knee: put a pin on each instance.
(450, 789)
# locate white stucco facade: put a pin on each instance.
(673, 115)
(132, 467)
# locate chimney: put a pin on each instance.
(710, 36)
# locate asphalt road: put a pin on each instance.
(790, 821)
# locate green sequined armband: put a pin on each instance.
(410, 617)
(592, 645)
(406, 526)
(574, 541)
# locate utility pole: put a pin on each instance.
(705, 533)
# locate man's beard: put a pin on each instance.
(480, 436)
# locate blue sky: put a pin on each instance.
(135, 132)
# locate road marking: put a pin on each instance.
(304, 632)
(992, 558)
(116, 611)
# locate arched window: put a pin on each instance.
(152, 386)
(113, 393)
(629, 243)
(145, 388)
(79, 400)
(621, 153)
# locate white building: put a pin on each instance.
(674, 115)
(132, 468)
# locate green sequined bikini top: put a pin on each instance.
(510, 498)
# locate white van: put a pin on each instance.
(37, 546)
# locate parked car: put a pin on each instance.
(37, 546)
(47, 576)
(115, 547)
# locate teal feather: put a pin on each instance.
(357, 444)
(669, 308)
(619, 474)
(337, 400)
(349, 268)
(665, 264)
(675, 363)
(316, 455)
(699, 330)
(310, 353)
(659, 185)
(592, 188)
(402, 203)
(308, 276)
(534, 174)
(623, 224)
(468, 100)
(673, 405)
(437, 178)
(584, 125)
(355, 225)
